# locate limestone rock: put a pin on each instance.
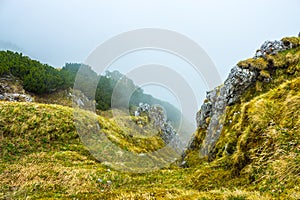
(203, 114)
(15, 97)
(215, 104)
(158, 117)
(237, 82)
(272, 47)
(212, 112)
(11, 90)
(80, 100)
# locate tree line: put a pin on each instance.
(41, 78)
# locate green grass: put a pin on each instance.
(259, 145)
(256, 157)
(43, 157)
(38, 162)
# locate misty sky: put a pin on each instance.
(60, 31)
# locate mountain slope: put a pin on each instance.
(256, 136)
(255, 156)
(259, 146)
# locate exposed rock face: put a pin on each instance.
(212, 112)
(216, 100)
(80, 100)
(203, 114)
(237, 82)
(272, 47)
(159, 119)
(11, 90)
(14, 97)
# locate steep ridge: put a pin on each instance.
(273, 58)
(277, 61)
(250, 125)
(252, 150)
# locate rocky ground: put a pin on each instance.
(247, 145)
(12, 90)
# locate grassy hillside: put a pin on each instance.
(256, 157)
(42, 156)
(259, 149)
(259, 145)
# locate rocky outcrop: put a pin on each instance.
(14, 97)
(80, 100)
(216, 100)
(11, 90)
(272, 47)
(237, 82)
(158, 118)
(212, 112)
